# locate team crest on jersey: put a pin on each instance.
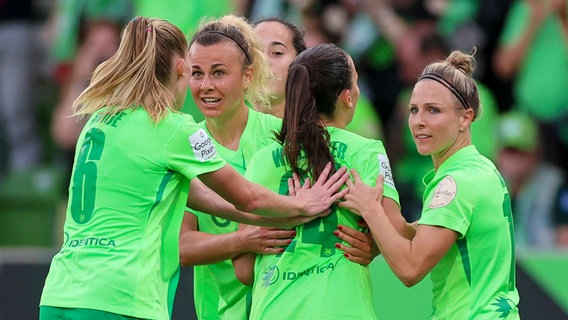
(385, 169)
(270, 276)
(444, 193)
(202, 145)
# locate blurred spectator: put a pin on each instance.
(84, 33)
(68, 27)
(20, 144)
(286, 10)
(561, 218)
(99, 44)
(533, 47)
(477, 22)
(533, 183)
(378, 65)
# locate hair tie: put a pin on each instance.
(447, 84)
(226, 35)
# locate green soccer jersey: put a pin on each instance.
(218, 293)
(127, 195)
(476, 278)
(312, 279)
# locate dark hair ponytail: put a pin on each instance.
(315, 80)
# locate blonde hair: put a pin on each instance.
(457, 71)
(138, 73)
(240, 32)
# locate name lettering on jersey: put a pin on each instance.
(338, 149)
(444, 193)
(291, 275)
(90, 242)
(278, 157)
(202, 145)
(272, 273)
(385, 169)
(108, 119)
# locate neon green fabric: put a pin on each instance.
(476, 277)
(218, 294)
(127, 195)
(51, 313)
(304, 282)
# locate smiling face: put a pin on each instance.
(277, 44)
(218, 81)
(439, 125)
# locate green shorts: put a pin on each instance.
(55, 313)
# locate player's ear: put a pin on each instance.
(345, 98)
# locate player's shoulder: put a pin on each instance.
(355, 142)
(264, 120)
(271, 148)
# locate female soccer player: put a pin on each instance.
(221, 70)
(303, 282)
(464, 237)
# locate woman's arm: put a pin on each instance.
(508, 58)
(411, 260)
(251, 197)
(203, 199)
(198, 248)
(244, 268)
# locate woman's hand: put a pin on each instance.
(261, 240)
(325, 191)
(361, 249)
(360, 195)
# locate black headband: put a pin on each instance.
(226, 35)
(447, 84)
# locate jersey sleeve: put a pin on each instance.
(372, 161)
(450, 204)
(192, 152)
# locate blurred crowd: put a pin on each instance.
(49, 49)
